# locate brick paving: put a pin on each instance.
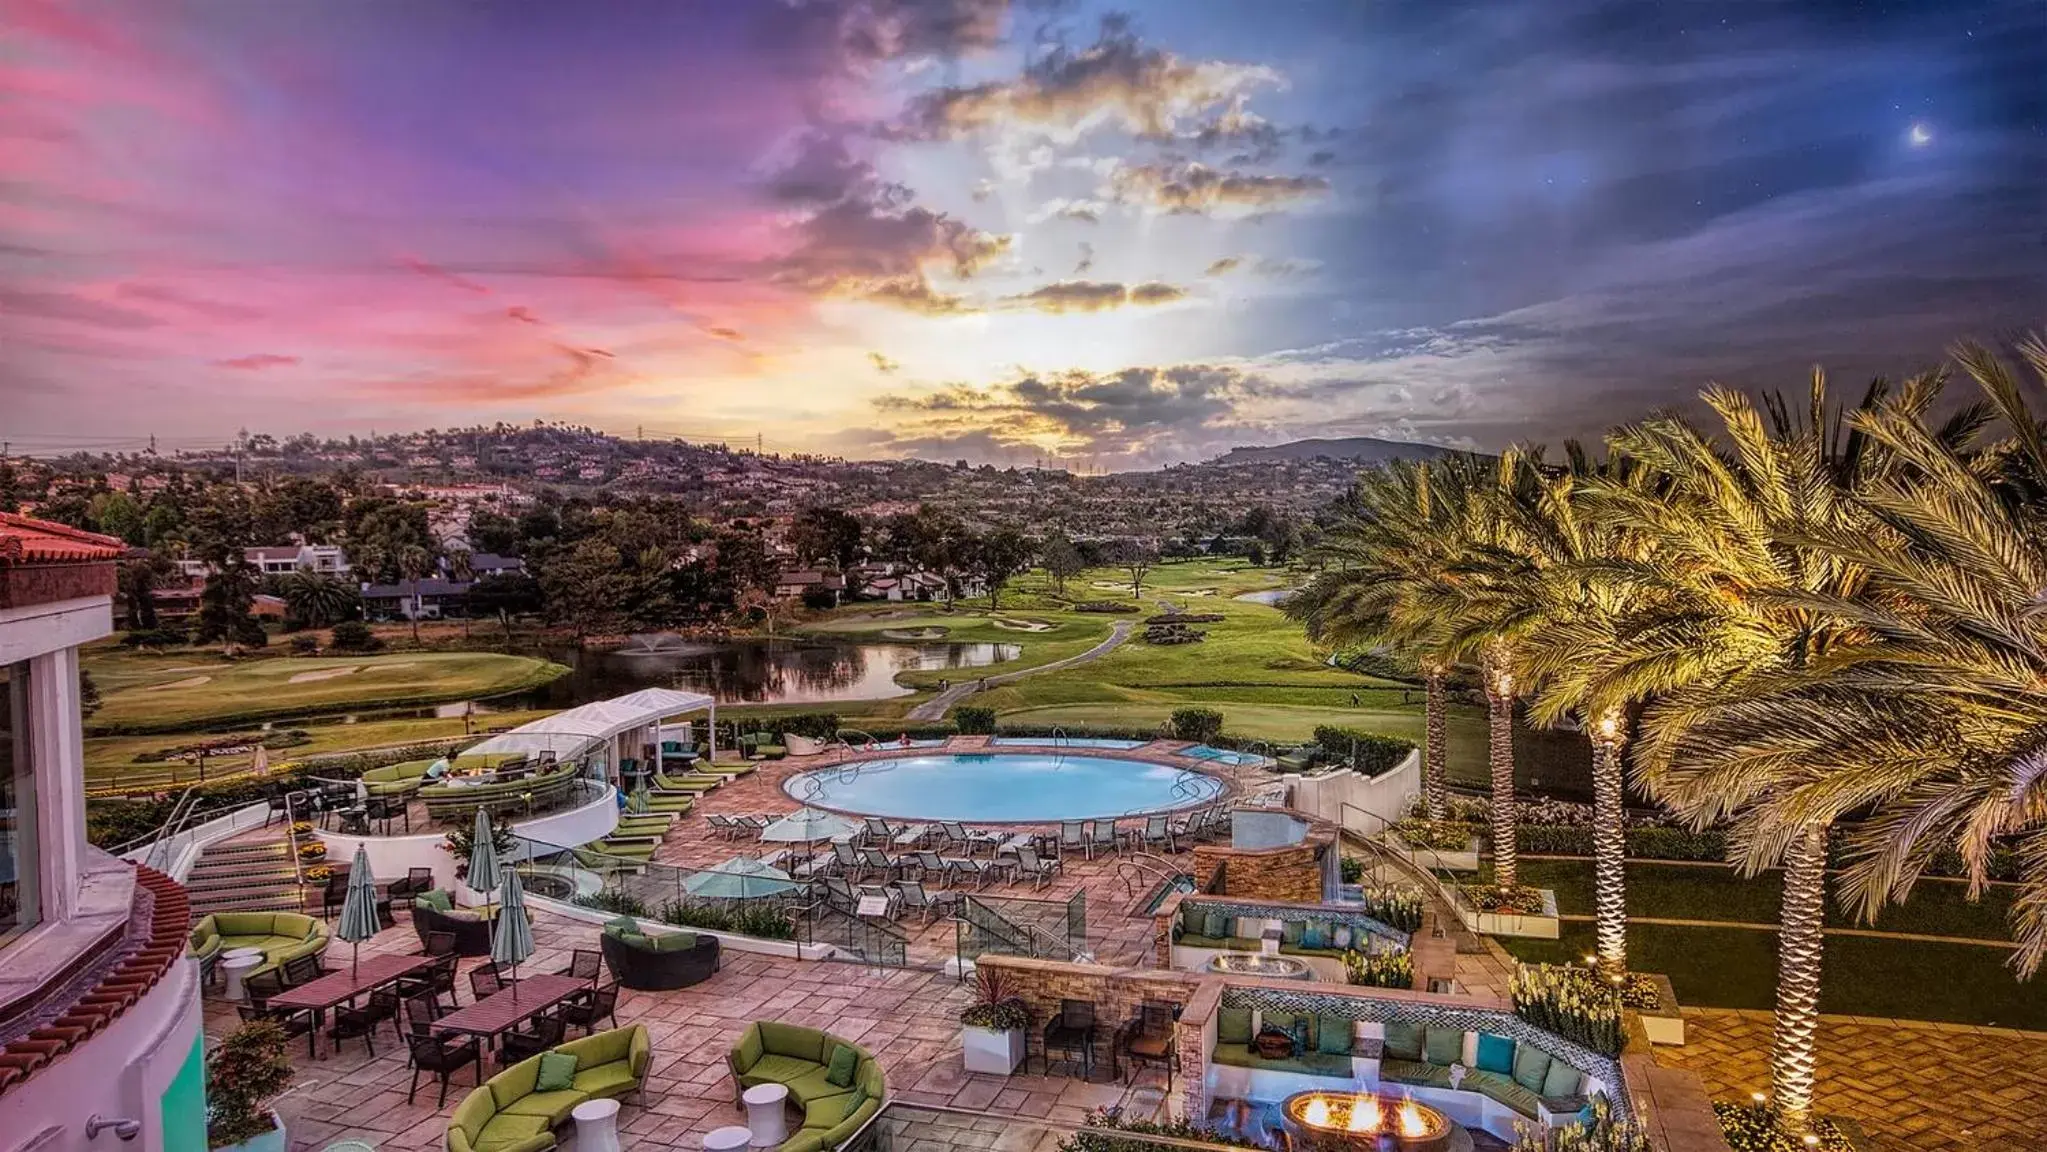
(1910, 1085)
(907, 1017)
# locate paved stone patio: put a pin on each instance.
(1909, 1084)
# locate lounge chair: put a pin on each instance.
(723, 825)
(689, 785)
(844, 857)
(880, 832)
(1101, 837)
(730, 768)
(1073, 837)
(980, 871)
(1158, 832)
(876, 861)
(1039, 870)
(967, 838)
(911, 896)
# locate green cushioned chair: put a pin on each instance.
(281, 935)
(771, 1052)
(507, 1113)
(396, 779)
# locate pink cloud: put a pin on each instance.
(258, 361)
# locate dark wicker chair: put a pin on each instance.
(1071, 1035)
(294, 1023)
(416, 880)
(649, 971)
(472, 937)
(589, 1007)
(441, 1055)
(544, 1033)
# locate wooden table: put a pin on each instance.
(343, 985)
(502, 1011)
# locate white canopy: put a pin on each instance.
(569, 732)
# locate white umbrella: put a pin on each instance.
(740, 878)
(808, 826)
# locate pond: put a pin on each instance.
(754, 671)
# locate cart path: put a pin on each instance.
(936, 707)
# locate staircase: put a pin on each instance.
(245, 876)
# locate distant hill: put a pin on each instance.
(1363, 449)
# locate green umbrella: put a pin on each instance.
(359, 909)
(483, 855)
(513, 940)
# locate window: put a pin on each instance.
(19, 890)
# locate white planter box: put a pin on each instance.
(1665, 1024)
(1542, 925)
(987, 1050)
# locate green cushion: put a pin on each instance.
(830, 1111)
(638, 940)
(1502, 1089)
(621, 925)
(555, 1106)
(602, 1047)
(1531, 1066)
(1444, 1046)
(839, 1070)
(1403, 1040)
(775, 1068)
(606, 1079)
(1332, 1036)
(506, 1131)
(1306, 1064)
(675, 942)
(1417, 1072)
(1561, 1080)
(1290, 931)
(1233, 1025)
(557, 1072)
(1495, 1054)
(1215, 923)
(435, 899)
(815, 1084)
(792, 1040)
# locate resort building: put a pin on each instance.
(99, 1007)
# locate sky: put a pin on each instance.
(1003, 230)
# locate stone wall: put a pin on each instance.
(1116, 994)
(1292, 874)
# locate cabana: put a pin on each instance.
(603, 733)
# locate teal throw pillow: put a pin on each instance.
(840, 1070)
(1311, 935)
(557, 1072)
(1531, 1066)
(1443, 1046)
(1495, 1054)
(1333, 1036)
(1216, 923)
(1403, 1040)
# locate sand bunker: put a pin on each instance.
(914, 633)
(323, 674)
(1112, 583)
(1195, 592)
(187, 682)
(1021, 625)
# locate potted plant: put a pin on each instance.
(992, 1027)
(244, 1073)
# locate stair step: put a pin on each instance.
(241, 884)
(291, 903)
(224, 851)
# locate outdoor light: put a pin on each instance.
(1760, 1097)
(1812, 1140)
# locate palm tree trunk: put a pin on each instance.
(1799, 947)
(1436, 750)
(1500, 746)
(1609, 850)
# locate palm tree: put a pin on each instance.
(414, 563)
(317, 598)
(1733, 579)
(459, 570)
(1397, 532)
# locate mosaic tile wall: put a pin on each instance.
(1301, 913)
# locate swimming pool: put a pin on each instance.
(1065, 742)
(1003, 787)
(1216, 755)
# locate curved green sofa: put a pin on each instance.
(395, 779)
(507, 1113)
(281, 935)
(771, 1052)
(450, 801)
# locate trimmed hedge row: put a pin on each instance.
(1366, 752)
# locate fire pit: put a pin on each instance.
(1258, 964)
(1355, 1121)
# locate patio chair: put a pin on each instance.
(874, 860)
(880, 832)
(335, 894)
(752, 825)
(263, 985)
(301, 970)
(441, 1055)
(584, 964)
(1073, 837)
(416, 880)
(432, 983)
(1190, 827)
(914, 836)
(911, 896)
(351, 1023)
(1158, 832)
(982, 872)
(523, 1043)
(381, 812)
(836, 895)
(967, 838)
(440, 943)
(588, 1007)
(928, 864)
(420, 1013)
(1102, 837)
(722, 825)
(1147, 1039)
(294, 1023)
(1030, 864)
(1071, 1034)
(844, 857)
(484, 981)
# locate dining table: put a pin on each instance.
(342, 985)
(506, 1009)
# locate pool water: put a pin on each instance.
(1004, 787)
(1065, 742)
(1221, 755)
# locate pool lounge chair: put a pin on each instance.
(967, 838)
(687, 785)
(1039, 870)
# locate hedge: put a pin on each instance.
(1646, 843)
(974, 720)
(1367, 752)
(1197, 724)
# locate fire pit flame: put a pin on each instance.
(1347, 1121)
(1413, 1124)
(1365, 1116)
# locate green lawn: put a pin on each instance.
(188, 690)
(1861, 975)
(110, 760)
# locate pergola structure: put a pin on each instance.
(603, 732)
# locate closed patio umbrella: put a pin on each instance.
(483, 855)
(637, 802)
(808, 826)
(512, 940)
(359, 908)
(259, 764)
(740, 878)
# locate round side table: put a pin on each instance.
(235, 964)
(764, 1115)
(596, 1126)
(731, 1138)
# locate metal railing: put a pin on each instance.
(1375, 833)
(1018, 926)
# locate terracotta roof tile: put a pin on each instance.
(24, 540)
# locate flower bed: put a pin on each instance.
(1520, 899)
(1757, 1128)
(1379, 969)
(1571, 1002)
(1436, 835)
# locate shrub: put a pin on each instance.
(156, 638)
(1571, 1002)
(815, 725)
(1352, 869)
(1435, 835)
(996, 1006)
(1106, 606)
(1199, 725)
(355, 636)
(244, 1073)
(1367, 752)
(623, 903)
(1379, 969)
(1099, 1135)
(1606, 1133)
(1394, 907)
(974, 720)
(1759, 1128)
(1519, 899)
(820, 599)
(761, 921)
(305, 644)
